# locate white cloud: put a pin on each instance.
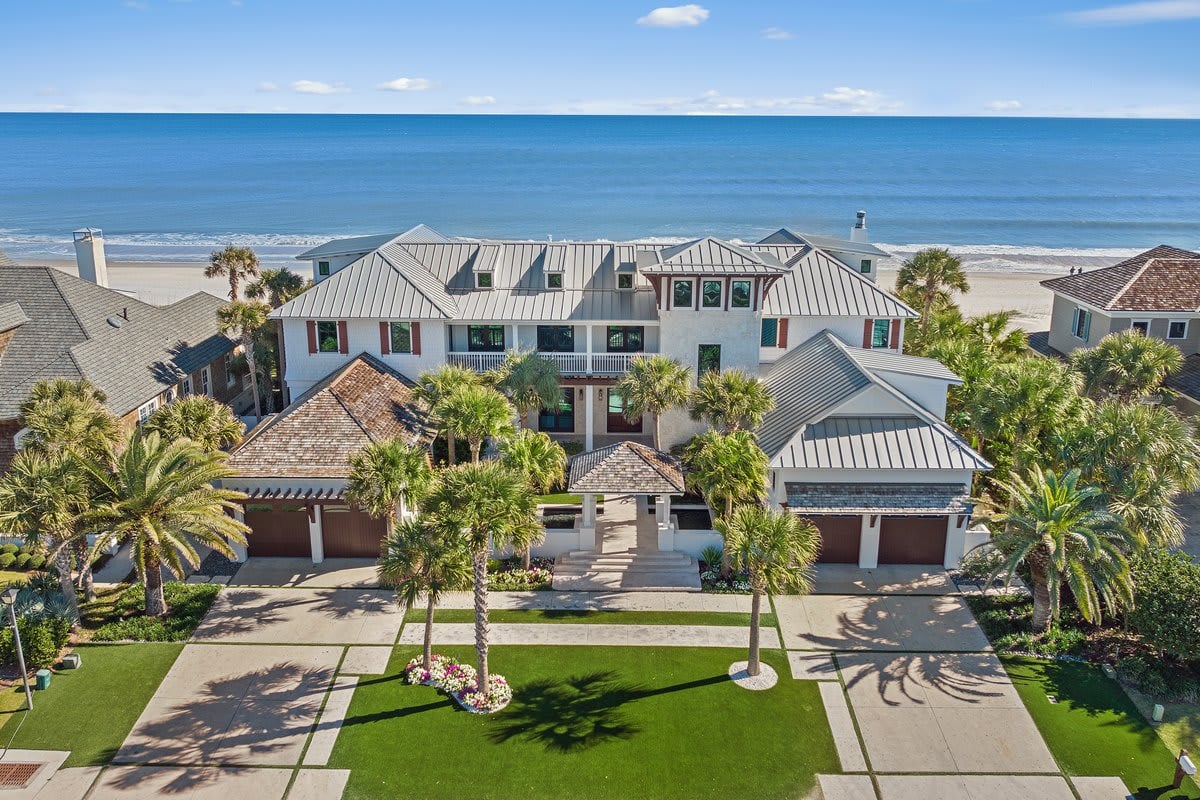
(479, 100)
(777, 34)
(686, 16)
(406, 85)
(1004, 105)
(1138, 13)
(318, 87)
(840, 100)
(269, 86)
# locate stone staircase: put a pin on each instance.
(581, 571)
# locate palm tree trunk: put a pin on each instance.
(86, 582)
(479, 567)
(476, 446)
(525, 558)
(1041, 599)
(523, 418)
(156, 603)
(726, 567)
(248, 346)
(62, 562)
(657, 434)
(429, 631)
(755, 665)
(450, 441)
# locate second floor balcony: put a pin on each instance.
(574, 364)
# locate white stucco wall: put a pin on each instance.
(929, 393)
(335, 263)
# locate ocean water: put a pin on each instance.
(1006, 193)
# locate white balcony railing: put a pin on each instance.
(568, 363)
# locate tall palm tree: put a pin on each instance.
(476, 413)
(423, 559)
(243, 320)
(728, 468)
(276, 286)
(1058, 528)
(235, 263)
(434, 386)
(159, 496)
(209, 423)
(731, 400)
(530, 381)
(996, 332)
(777, 549)
(654, 385)
(539, 459)
(386, 477)
(41, 500)
(1127, 366)
(931, 274)
(493, 507)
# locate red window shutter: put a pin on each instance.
(867, 325)
(343, 338)
(312, 336)
(895, 340)
(385, 338)
(415, 335)
(783, 332)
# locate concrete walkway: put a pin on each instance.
(604, 601)
(502, 633)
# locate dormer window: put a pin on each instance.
(554, 280)
(864, 266)
(624, 280)
(483, 280)
(323, 268)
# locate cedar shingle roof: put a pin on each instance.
(625, 467)
(365, 401)
(1163, 278)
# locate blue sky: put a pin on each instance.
(920, 57)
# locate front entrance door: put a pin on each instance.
(617, 422)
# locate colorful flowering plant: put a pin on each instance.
(459, 681)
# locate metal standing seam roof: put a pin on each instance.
(708, 256)
(878, 498)
(884, 442)
(1105, 287)
(786, 236)
(625, 467)
(887, 361)
(365, 244)
(819, 285)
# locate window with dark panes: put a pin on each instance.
(625, 280)
(560, 418)
(401, 336)
(710, 294)
(485, 338)
(879, 332)
(327, 337)
(483, 280)
(708, 358)
(770, 333)
(682, 294)
(739, 296)
(554, 280)
(556, 338)
(625, 338)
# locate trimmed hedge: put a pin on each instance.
(1166, 609)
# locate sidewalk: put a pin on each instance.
(605, 601)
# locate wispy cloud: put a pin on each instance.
(319, 87)
(1004, 105)
(479, 100)
(1138, 13)
(840, 100)
(686, 16)
(406, 85)
(777, 34)
(268, 86)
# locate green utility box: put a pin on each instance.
(43, 679)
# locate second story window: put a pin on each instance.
(147, 410)
(739, 294)
(625, 338)
(485, 338)
(327, 337)
(401, 337)
(230, 375)
(1177, 329)
(1142, 326)
(625, 280)
(556, 338)
(710, 294)
(483, 280)
(1081, 324)
(864, 266)
(770, 333)
(554, 280)
(323, 268)
(206, 381)
(681, 294)
(879, 332)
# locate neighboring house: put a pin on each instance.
(55, 325)
(857, 440)
(1156, 292)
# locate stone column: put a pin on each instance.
(868, 541)
(589, 438)
(956, 539)
(240, 553)
(315, 541)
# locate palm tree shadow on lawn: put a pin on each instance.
(580, 712)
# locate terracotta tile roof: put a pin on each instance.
(365, 401)
(625, 467)
(1163, 278)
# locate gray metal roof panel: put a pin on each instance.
(885, 442)
(786, 236)
(709, 256)
(365, 244)
(819, 285)
(374, 287)
(887, 361)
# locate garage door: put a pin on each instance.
(912, 540)
(277, 529)
(350, 533)
(839, 538)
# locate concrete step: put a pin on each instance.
(662, 559)
(585, 571)
(627, 581)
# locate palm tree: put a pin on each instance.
(277, 286)
(159, 496)
(434, 386)
(244, 320)
(422, 559)
(385, 477)
(539, 459)
(202, 419)
(996, 332)
(728, 468)
(931, 274)
(530, 381)
(1058, 528)
(1127, 365)
(41, 500)
(234, 263)
(777, 549)
(731, 400)
(654, 385)
(493, 507)
(476, 413)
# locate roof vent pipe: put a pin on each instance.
(89, 256)
(859, 232)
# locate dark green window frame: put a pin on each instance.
(400, 334)
(880, 330)
(710, 294)
(624, 280)
(322, 268)
(554, 280)
(626, 338)
(327, 337)
(556, 338)
(483, 280)
(681, 294)
(864, 265)
(770, 332)
(708, 358)
(485, 338)
(560, 419)
(739, 294)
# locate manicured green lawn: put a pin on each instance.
(564, 499)
(606, 617)
(91, 710)
(9, 576)
(590, 722)
(1094, 728)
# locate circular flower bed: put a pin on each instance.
(459, 681)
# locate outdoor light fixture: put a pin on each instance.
(580, 392)
(9, 598)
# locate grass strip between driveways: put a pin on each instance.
(588, 723)
(91, 710)
(722, 618)
(1094, 728)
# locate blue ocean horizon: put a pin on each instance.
(171, 186)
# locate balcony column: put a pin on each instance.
(512, 342)
(588, 418)
(589, 351)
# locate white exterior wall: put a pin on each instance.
(335, 263)
(801, 329)
(854, 262)
(929, 393)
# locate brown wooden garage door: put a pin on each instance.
(839, 538)
(350, 533)
(912, 540)
(277, 529)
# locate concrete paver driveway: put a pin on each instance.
(879, 622)
(311, 616)
(332, 573)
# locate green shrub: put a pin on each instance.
(9, 548)
(186, 605)
(23, 560)
(6, 560)
(1006, 619)
(37, 562)
(41, 639)
(1166, 609)
(981, 563)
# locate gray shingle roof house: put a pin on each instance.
(55, 325)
